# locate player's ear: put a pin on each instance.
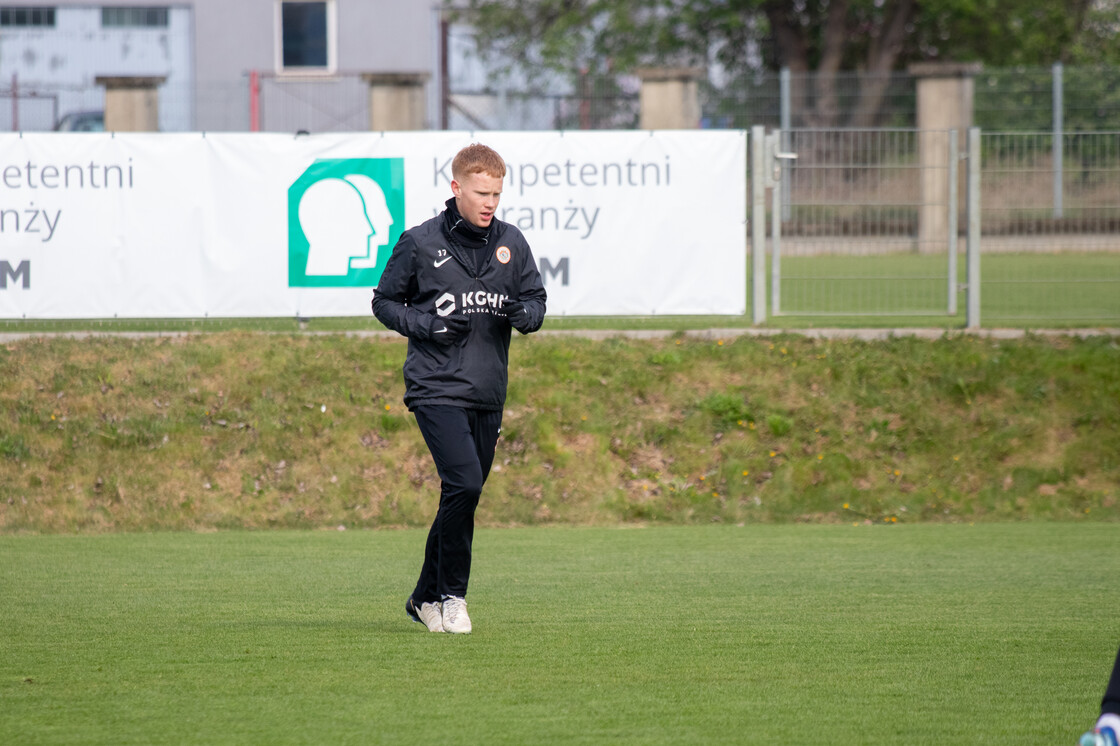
(456, 188)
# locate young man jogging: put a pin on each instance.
(456, 285)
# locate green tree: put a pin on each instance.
(822, 37)
(1096, 44)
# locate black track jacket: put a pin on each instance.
(432, 271)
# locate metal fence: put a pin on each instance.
(1050, 222)
(537, 110)
(872, 220)
(1004, 99)
(864, 223)
(787, 100)
(1056, 99)
(874, 223)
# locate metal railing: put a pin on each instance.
(870, 223)
(1057, 99)
(1050, 236)
(865, 221)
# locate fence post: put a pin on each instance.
(786, 124)
(758, 224)
(945, 93)
(131, 102)
(954, 226)
(669, 98)
(396, 101)
(972, 320)
(775, 184)
(254, 101)
(1057, 144)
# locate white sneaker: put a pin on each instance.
(1104, 734)
(455, 619)
(429, 614)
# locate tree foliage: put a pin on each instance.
(822, 37)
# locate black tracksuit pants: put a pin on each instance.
(1111, 701)
(462, 443)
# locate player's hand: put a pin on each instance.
(447, 330)
(517, 313)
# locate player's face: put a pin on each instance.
(477, 197)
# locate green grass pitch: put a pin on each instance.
(1032, 289)
(916, 634)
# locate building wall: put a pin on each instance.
(207, 53)
(60, 64)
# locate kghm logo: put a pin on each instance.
(476, 301)
(344, 217)
(480, 301)
(445, 304)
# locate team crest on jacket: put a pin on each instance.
(503, 254)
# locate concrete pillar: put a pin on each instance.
(397, 101)
(131, 102)
(945, 95)
(670, 98)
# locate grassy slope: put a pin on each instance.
(927, 634)
(257, 430)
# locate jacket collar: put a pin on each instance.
(461, 230)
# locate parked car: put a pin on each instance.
(82, 121)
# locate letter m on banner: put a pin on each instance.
(22, 271)
(550, 271)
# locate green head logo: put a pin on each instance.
(344, 217)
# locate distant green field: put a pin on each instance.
(930, 634)
(1029, 289)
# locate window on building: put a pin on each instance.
(307, 36)
(134, 17)
(41, 17)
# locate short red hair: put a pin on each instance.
(477, 159)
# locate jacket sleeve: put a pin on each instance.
(532, 293)
(394, 291)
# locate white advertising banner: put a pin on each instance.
(241, 225)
